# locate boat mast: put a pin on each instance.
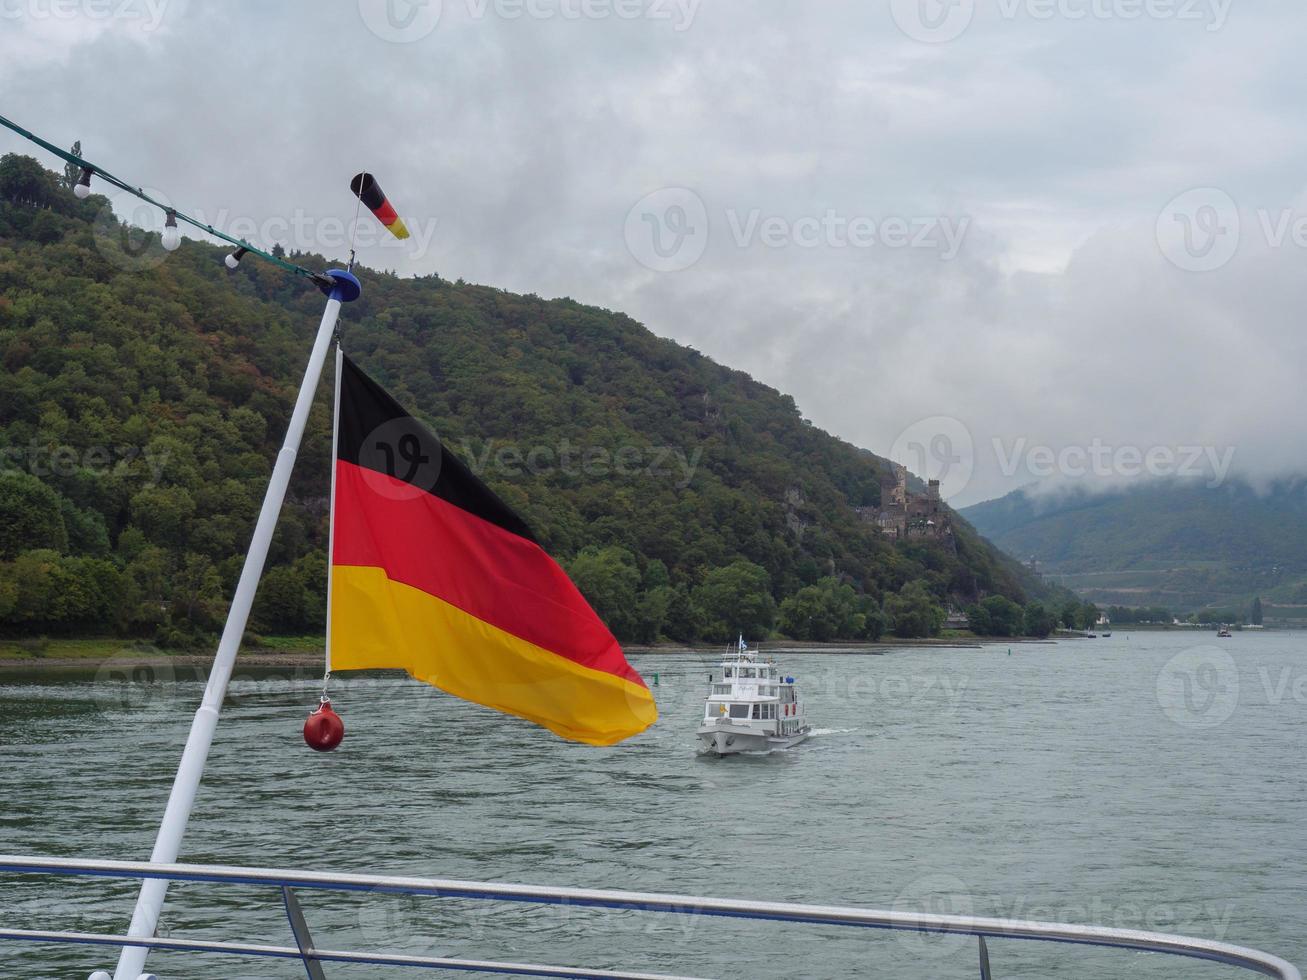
(344, 288)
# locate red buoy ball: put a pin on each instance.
(323, 729)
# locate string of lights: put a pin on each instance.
(171, 238)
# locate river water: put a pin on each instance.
(1149, 780)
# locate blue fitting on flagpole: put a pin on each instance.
(345, 286)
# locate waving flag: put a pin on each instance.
(367, 190)
(434, 574)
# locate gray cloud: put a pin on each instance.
(522, 144)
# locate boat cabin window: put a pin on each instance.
(739, 711)
(730, 672)
(721, 689)
(748, 672)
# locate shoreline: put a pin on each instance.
(99, 654)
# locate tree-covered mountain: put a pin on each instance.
(1176, 544)
(143, 397)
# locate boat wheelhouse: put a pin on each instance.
(754, 707)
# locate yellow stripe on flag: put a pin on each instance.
(377, 623)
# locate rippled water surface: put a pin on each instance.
(1150, 780)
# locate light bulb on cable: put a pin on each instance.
(234, 259)
(172, 235)
(83, 186)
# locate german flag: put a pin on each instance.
(367, 190)
(433, 573)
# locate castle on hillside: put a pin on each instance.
(903, 514)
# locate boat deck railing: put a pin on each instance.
(312, 957)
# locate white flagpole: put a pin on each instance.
(167, 845)
(331, 510)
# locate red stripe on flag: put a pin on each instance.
(495, 575)
(385, 213)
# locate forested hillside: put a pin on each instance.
(1181, 545)
(143, 398)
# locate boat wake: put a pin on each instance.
(832, 731)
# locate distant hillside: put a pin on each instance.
(143, 397)
(1175, 544)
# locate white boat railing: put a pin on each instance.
(313, 957)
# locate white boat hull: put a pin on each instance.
(732, 740)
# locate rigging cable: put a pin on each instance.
(316, 277)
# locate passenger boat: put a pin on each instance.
(753, 708)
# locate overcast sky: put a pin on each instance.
(1016, 239)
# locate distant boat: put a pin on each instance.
(754, 708)
(1107, 633)
(1224, 631)
(1091, 636)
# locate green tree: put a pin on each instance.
(1039, 620)
(1255, 616)
(913, 611)
(978, 617)
(610, 581)
(31, 516)
(733, 600)
(1006, 618)
(72, 172)
(828, 610)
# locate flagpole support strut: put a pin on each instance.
(341, 287)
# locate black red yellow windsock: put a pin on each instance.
(367, 190)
